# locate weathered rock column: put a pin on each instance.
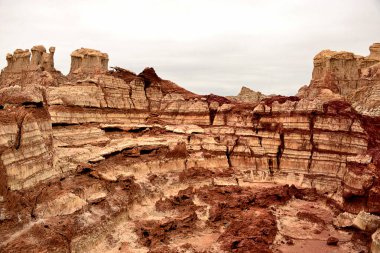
(374, 50)
(18, 61)
(88, 61)
(21, 61)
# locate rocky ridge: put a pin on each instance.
(248, 95)
(99, 148)
(349, 76)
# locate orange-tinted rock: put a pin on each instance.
(345, 74)
(248, 95)
(99, 149)
(20, 60)
(332, 241)
(374, 51)
(86, 61)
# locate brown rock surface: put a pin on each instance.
(355, 78)
(87, 60)
(20, 60)
(248, 95)
(102, 161)
(374, 51)
(332, 241)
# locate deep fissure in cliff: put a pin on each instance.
(20, 123)
(313, 146)
(280, 149)
(212, 115)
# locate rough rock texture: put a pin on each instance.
(86, 60)
(355, 78)
(20, 60)
(105, 161)
(374, 51)
(248, 95)
(375, 245)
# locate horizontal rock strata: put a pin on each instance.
(112, 127)
(351, 76)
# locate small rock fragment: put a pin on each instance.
(333, 241)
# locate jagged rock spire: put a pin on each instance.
(21, 61)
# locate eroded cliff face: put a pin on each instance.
(352, 77)
(112, 160)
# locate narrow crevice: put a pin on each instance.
(103, 91)
(3, 178)
(84, 170)
(138, 130)
(20, 123)
(130, 97)
(112, 129)
(32, 212)
(280, 150)
(270, 166)
(146, 94)
(352, 123)
(112, 154)
(106, 156)
(146, 151)
(44, 96)
(33, 104)
(212, 115)
(313, 146)
(228, 155)
(256, 121)
(63, 124)
(212, 100)
(230, 151)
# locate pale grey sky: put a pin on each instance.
(206, 46)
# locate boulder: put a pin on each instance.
(344, 220)
(366, 222)
(375, 244)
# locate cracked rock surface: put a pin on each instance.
(112, 161)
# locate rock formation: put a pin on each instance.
(86, 60)
(21, 61)
(248, 95)
(374, 51)
(355, 78)
(105, 160)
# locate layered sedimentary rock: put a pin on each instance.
(353, 77)
(374, 51)
(24, 60)
(27, 155)
(86, 60)
(87, 150)
(28, 70)
(248, 95)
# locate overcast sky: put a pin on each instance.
(206, 46)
